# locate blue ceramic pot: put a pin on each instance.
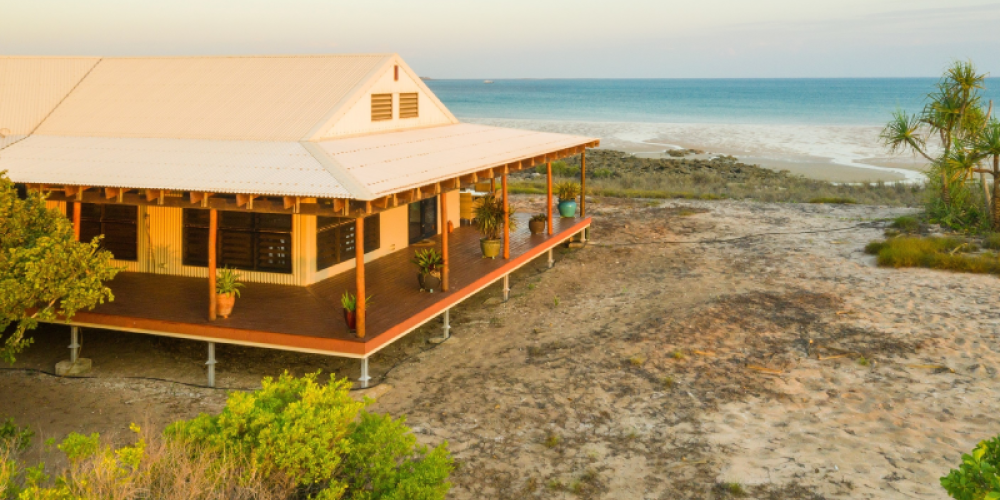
(567, 208)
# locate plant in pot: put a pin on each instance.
(489, 216)
(429, 262)
(227, 288)
(350, 303)
(567, 192)
(537, 223)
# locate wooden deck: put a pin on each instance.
(310, 318)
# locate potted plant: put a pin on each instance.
(489, 217)
(537, 223)
(567, 192)
(429, 262)
(350, 304)
(227, 288)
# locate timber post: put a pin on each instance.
(76, 219)
(444, 242)
(583, 184)
(359, 256)
(548, 196)
(506, 218)
(213, 229)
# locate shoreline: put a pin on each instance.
(834, 153)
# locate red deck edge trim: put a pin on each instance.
(326, 345)
(459, 295)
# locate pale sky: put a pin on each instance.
(536, 38)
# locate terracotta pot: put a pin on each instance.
(429, 282)
(491, 248)
(536, 226)
(224, 303)
(351, 318)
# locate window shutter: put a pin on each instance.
(117, 223)
(381, 107)
(408, 105)
(372, 233)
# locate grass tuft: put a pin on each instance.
(834, 200)
(949, 254)
(637, 360)
(906, 224)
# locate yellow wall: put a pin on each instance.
(161, 242)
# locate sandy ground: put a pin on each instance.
(691, 344)
(826, 152)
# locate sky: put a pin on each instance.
(536, 38)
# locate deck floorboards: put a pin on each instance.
(315, 311)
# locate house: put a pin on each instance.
(311, 175)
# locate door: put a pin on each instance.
(423, 219)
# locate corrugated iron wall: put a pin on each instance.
(161, 240)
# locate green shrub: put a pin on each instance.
(906, 224)
(976, 478)
(13, 437)
(992, 241)
(323, 439)
(933, 253)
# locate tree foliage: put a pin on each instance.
(977, 478)
(44, 273)
(320, 437)
(956, 118)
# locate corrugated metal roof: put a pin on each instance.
(228, 125)
(266, 168)
(269, 98)
(393, 162)
(30, 87)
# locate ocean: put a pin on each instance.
(821, 128)
(835, 101)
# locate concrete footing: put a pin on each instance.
(67, 368)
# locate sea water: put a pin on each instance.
(834, 101)
(813, 126)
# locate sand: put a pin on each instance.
(831, 153)
(690, 345)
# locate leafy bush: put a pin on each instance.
(976, 478)
(906, 224)
(992, 241)
(293, 439)
(321, 438)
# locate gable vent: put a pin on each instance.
(381, 107)
(408, 105)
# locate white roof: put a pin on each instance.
(394, 162)
(254, 125)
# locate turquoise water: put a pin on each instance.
(841, 101)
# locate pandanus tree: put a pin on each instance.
(953, 116)
(987, 147)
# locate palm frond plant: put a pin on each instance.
(350, 304)
(567, 191)
(489, 220)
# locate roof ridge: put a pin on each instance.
(338, 172)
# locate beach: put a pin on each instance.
(835, 153)
(690, 346)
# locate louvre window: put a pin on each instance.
(381, 107)
(245, 240)
(118, 224)
(335, 239)
(408, 105)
